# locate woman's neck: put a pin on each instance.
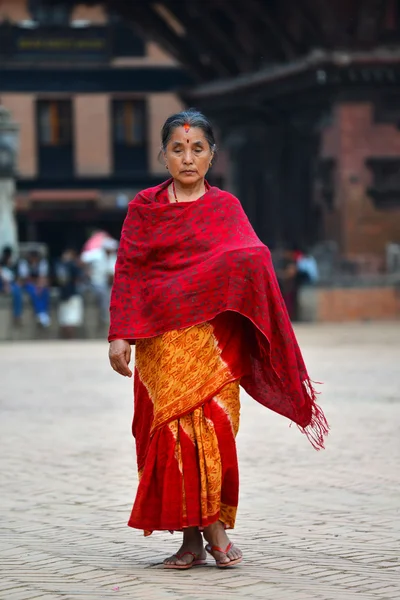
(189, 192)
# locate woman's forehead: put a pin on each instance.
(184, 134)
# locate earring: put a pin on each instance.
(166, 166)
(210, 165)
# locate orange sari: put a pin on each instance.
(185, 423)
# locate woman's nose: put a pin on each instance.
(187, 157)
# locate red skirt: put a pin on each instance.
(185, 423)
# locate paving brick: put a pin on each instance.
(311, 525)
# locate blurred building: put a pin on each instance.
(90, 96)
(306, 95)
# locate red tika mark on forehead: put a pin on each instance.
(186, 127)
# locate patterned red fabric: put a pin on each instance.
(187, 464)
(158, 504)
(180, 264)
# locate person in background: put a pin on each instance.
(100, 269)
(33, 267)
(39, 293)
(9, 283)
(307, 269)
(111, 262)
(71, 310)
(33, 273)
(7, 268)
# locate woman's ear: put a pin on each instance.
(162, 157)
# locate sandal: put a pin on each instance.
(211, 549)
(195, 562)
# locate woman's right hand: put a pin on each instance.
(120, 356)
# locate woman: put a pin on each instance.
(195, 291)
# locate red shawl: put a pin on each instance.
(184, 263)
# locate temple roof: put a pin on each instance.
(225, 38)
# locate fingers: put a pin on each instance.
(120, 366)
(119, 363)
(128, 352)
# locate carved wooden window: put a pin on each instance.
(129, 122)
(54, 122)
(385, 186)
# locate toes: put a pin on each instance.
(221, 557)
(234, 554)
(224, 558)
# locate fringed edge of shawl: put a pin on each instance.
(318, 428)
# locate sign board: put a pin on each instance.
(95, 43)
(61, 43)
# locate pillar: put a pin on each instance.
(253, 155)
(8, 226)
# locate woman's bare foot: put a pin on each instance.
(192, 544)
(215, 535)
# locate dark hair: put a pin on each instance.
(191, 117)
(34, 253)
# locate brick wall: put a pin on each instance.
(355, 222)
(91, 329)
(14, 10)
(357, 304)
(92, 134)
(17, 10)
(95, 14)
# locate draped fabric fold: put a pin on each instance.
(186, 419)
(181, 265)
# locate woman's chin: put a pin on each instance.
(188, 178)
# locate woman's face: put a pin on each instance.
(188, 155)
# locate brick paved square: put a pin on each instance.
(312, 525)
